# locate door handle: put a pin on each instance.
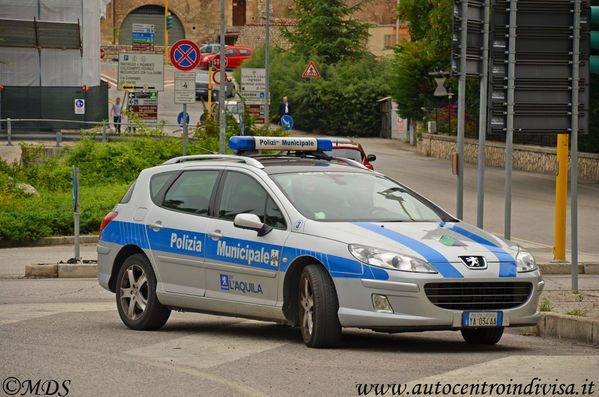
(156, 226)
(215, 235)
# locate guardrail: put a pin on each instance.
(61, 136)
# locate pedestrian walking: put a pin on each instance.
(284, 108)
(115, 113)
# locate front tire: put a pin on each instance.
(318, 307)
(136, 298)
(482, 336)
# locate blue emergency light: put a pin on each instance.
(279, 143)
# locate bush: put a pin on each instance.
(346, 93)
(106, 170)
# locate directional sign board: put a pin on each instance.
(142, 37)
(185, 87)
(144, 104)
(141, 72)
(180, 119)
(185, 55)
(253, 79)
(311, 71)
(287, 122)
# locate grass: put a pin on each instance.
(545, 305)
(577, 312)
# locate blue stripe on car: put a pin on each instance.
(434, 257)
(507, 263)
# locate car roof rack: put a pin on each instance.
(245, 159)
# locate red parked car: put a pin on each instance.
(346, 148)
(235, 56)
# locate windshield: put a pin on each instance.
(355, 197)
(201, 78)
(351, 154)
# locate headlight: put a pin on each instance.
(389, 260)
(525, 262)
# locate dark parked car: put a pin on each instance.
(202, 88)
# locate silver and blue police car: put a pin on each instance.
(307, 239)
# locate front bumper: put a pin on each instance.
(413, 311)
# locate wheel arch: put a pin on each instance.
(123, 254)
(290, 290)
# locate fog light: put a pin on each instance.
(381, 304)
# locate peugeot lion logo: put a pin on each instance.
(474, 262)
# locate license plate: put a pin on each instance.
(483, 319)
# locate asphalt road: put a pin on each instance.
(69, 330)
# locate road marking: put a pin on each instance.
(205, 350)
(14, 313)
(521, 370)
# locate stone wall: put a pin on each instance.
(254, 35)
(525, 157)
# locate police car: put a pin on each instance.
(310, 240)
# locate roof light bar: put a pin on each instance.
(279, 143)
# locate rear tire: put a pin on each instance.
(136, 298)
(317, 306)
(482, 336)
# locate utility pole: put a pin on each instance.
(482, 119)
(221, 92)
(462, 109)
(267, 68)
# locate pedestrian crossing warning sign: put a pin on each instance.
(311, 71)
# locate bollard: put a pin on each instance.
(9, 132)
(103, 132)
(58, 138)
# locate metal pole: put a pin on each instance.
(509, 138)
(221, 92)
(184, 129)
(574, 150)
(461, 109)
(267, 68)
(210, 91)
(9, 132)
(482, 120)
(241, 126)
(104, 132)
(561, 197)
(397, 25)
(76, 210)
(58, 138)
(165, 32)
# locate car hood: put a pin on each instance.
(435, 242)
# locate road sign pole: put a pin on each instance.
(8, 132)
(241, 126)
(561, 196)
(210, 91)
(165, 33)
(509, 138)
(267, 68)
(221, 92)
(184, 129)
(76, 211)
(461, 109)
(482, 120)
(574, 150)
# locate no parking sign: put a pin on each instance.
(185, 55)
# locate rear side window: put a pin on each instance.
(243, 51)
(127, 197)
(230, 52)
(157, 183)
(191, 192)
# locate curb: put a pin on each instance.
(49, 241)
(566, 268)
(562, 326)
(61, 270)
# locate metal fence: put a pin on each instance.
(128, 129)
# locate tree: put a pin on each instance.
(428, 50)
(326, 29)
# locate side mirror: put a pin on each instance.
(371, 157)
(251, 222)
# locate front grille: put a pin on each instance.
(478, 296)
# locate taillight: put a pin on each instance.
(110, 216)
